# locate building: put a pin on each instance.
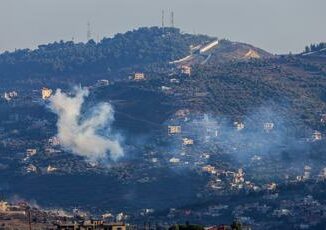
(174, 129)
(306, 172)
(46, 93)
(256, 158)
(10, 95)
(107, 216)
(3, 206)
(120, 217)
(91, 225)
(281, 212)
(271, 186)
(322, 174)
(154, 160)
(186, 70)
(174, 80)
(181, 113)
(31, 168)
(323, 118)
(174, 160)
(51, 150)
(209, 47)
(139, 76)
(165, 88)
(316, 136)
(31, 152)
(239, 125)
(102, 82)
(209, 169)
(54, 141)
(187, 141)
(268, 126)
(239, 177)
(51, 169)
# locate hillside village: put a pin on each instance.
(241, 131)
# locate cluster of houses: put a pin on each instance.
(91, 225)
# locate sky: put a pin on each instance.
(278, 26)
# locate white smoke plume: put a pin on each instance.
(80, 134)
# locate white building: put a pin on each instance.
(306, 172)
(103, 82)
(174, 80)
(239, 125)
(174, 160)
(323, 118)
(316, 136)
(165, 88)
(209, 47)
(54, 141)
(10, 95)
(51, 169)
(187, 141)
(268, 126)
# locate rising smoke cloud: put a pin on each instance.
(83, 134)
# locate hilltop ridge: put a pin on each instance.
(139, 47)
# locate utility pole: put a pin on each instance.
(29, 218)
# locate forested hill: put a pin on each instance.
(316, 50)
(137, 47)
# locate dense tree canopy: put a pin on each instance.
(142, 46)
(315, 47)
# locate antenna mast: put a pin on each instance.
(172, 19)
(163, 19)
(89, 33)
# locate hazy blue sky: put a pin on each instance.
(278, 26)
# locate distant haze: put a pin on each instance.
(279, 26)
